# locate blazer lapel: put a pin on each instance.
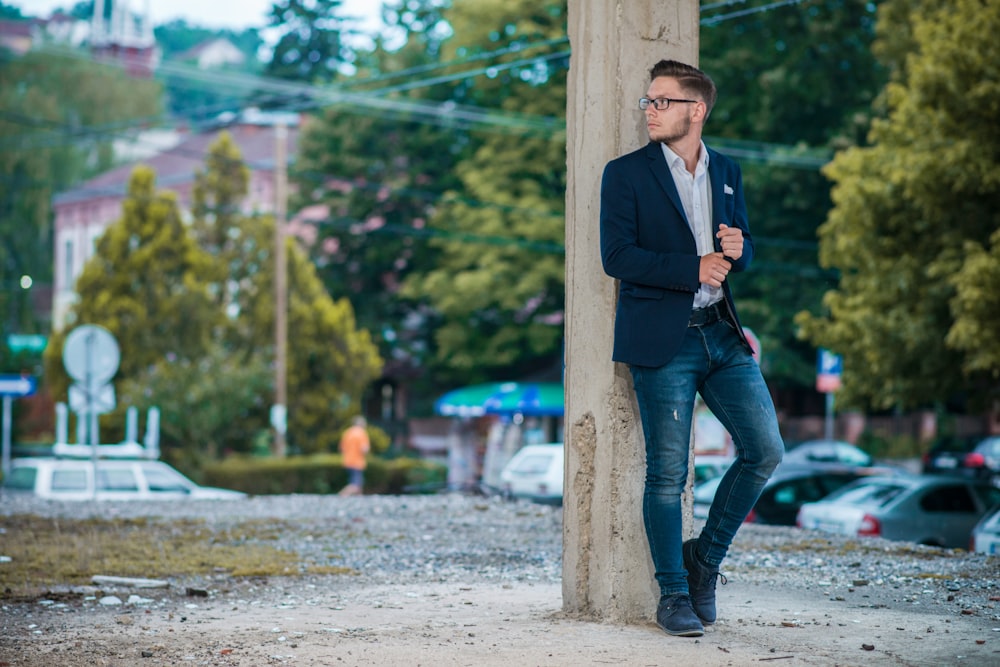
(717, 183)
(658, 165)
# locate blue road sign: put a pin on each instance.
(17, 385)
(829, 367)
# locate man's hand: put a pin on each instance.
(731, 239)
(713, 269)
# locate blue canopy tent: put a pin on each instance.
(513, 402)
(531, 399)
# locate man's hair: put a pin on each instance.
(693, 81)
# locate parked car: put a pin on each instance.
(926, 509)
(970, 456)
(986, 533)
(789, 487)
(117, 479)
(827, 451)
(535, 473)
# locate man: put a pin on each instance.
(673, 226)
(354, 446)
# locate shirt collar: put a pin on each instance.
(675, 161)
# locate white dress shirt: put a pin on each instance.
(695, 193)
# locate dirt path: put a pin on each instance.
(441, 625)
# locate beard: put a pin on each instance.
(669, 135)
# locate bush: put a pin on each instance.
(889, 448)
(321, 474)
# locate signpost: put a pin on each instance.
(91, 357)
(829, 366)
(12, 386)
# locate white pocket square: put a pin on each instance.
(727, 189)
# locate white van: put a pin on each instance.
(535, 472)
(116, 479)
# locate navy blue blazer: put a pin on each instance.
(647, 244)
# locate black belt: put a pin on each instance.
(701, 317)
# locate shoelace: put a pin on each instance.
(717, 576)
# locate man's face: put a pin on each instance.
(674, 123)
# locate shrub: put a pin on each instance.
(321, 474)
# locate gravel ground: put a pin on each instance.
(442, 554)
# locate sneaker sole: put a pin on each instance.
(683, 633)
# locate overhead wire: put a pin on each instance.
(454, 115)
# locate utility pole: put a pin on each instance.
(279, 414)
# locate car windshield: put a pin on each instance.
(533, 464)
(877, 495)
(162, 480)
(852, 456)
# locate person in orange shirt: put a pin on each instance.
(354, 446)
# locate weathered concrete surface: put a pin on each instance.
(607, 573)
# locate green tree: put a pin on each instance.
(206, 94)
(55, 113)
(913, 221)
(378, 177)
(147, 283)
(804, 78)
(218, 191)
(976, 308)
(330, 360)
(498, 282)
(208, 406)
(192, 308)
(310, 45)
(9, 11)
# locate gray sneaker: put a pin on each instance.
(701, 582)
(676, 617)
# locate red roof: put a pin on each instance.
(177, 165)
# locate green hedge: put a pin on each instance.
(322, 473)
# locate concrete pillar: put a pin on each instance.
(607, 572)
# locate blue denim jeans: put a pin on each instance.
(713, 362)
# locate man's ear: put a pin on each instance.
(700, 111)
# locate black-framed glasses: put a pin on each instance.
(660, 103)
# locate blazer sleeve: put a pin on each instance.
(641, 243)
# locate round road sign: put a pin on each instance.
(91, 355)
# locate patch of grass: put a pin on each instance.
(331, 569)
(48, 552)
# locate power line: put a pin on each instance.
(551, 247)
(430, 67)
(454, 115)
(714, 20)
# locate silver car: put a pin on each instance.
(986, 534)
(933, 510)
